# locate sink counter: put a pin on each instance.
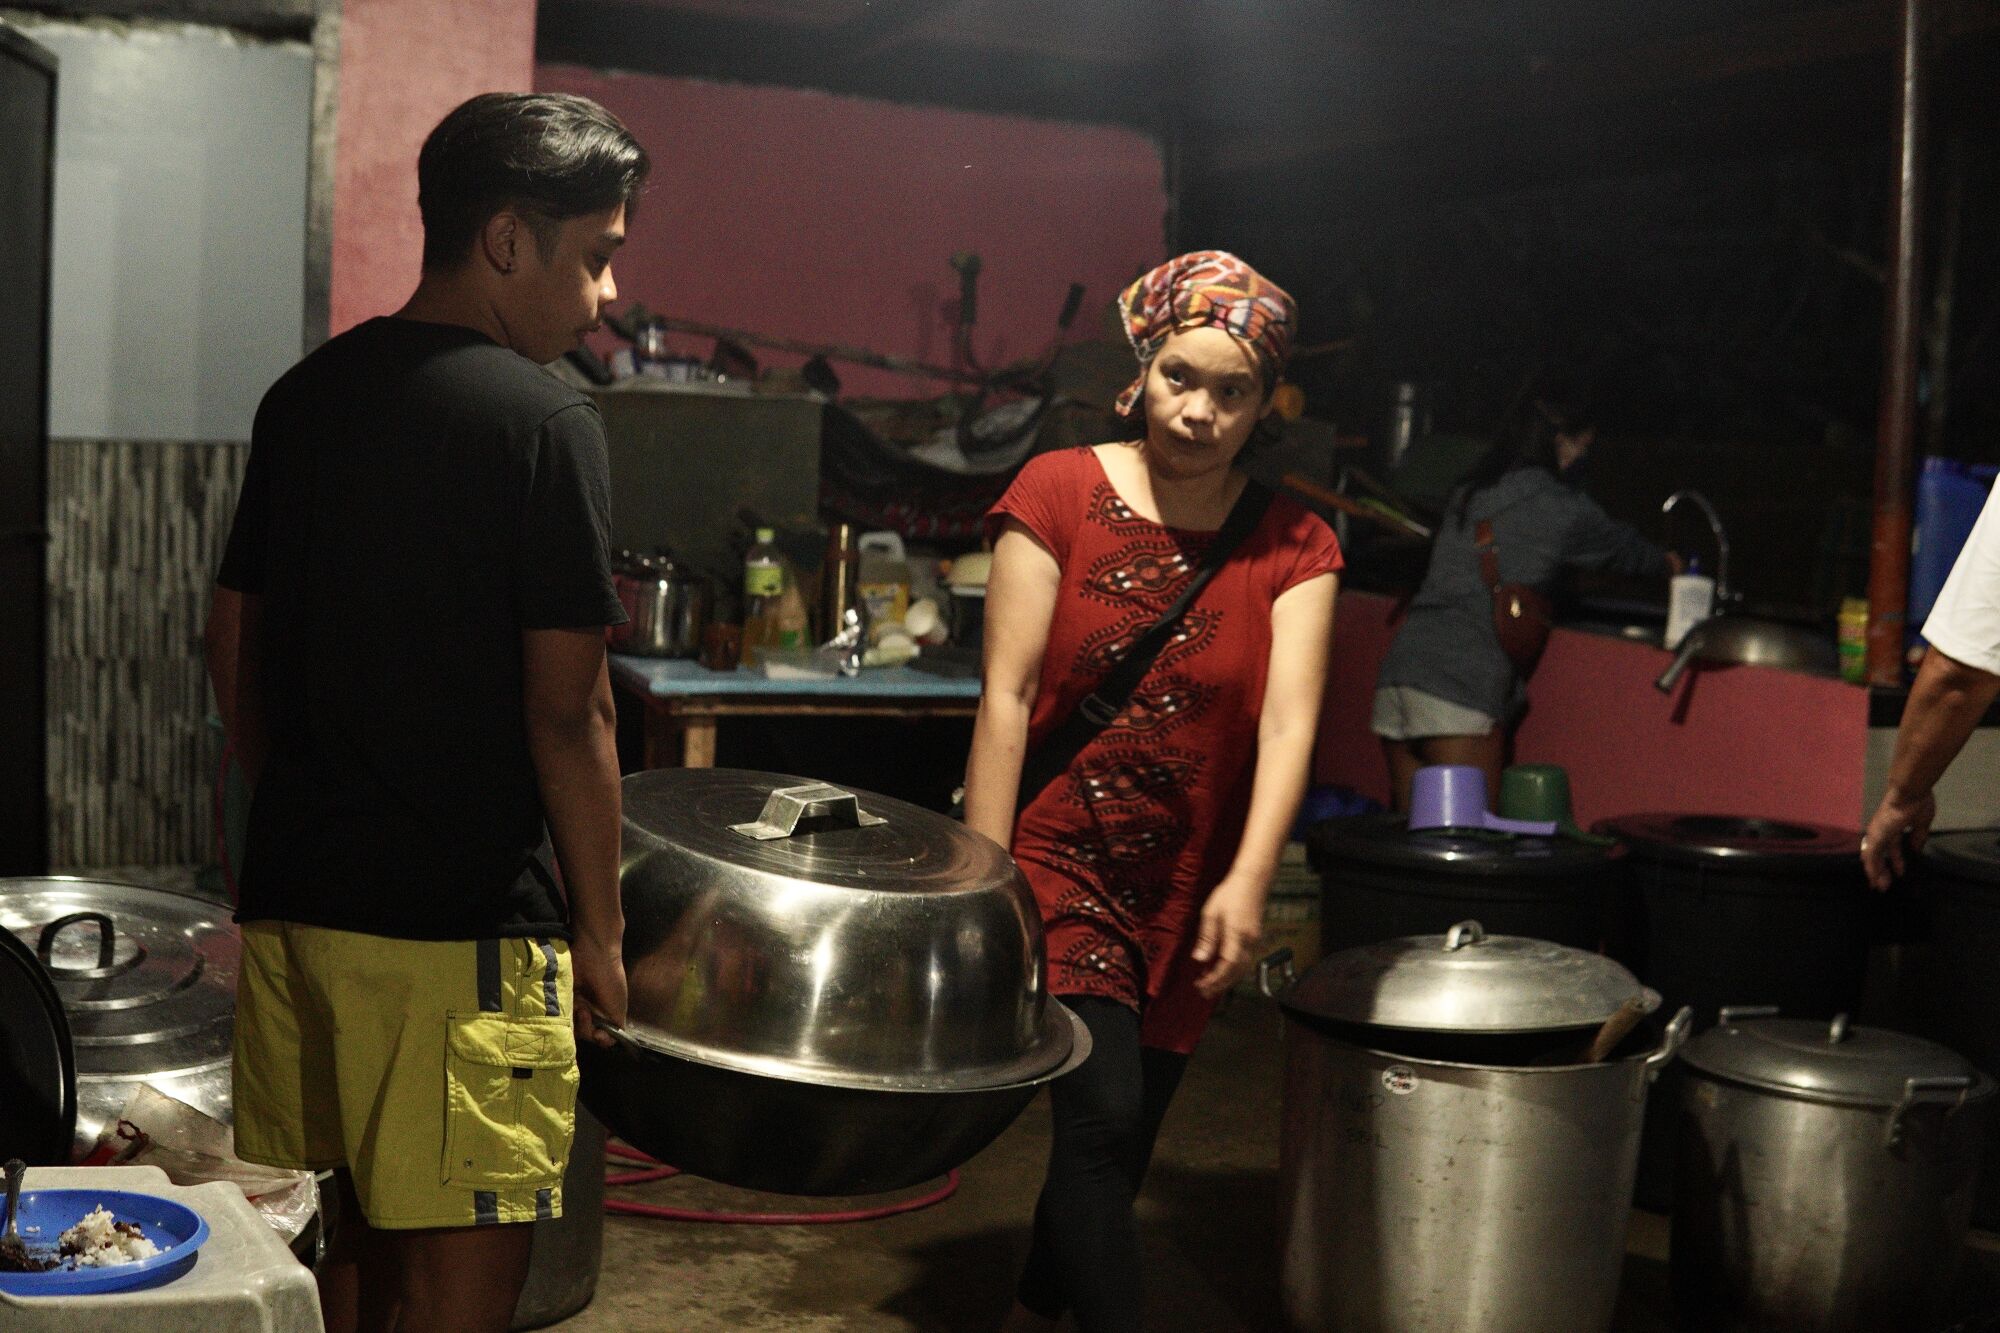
(1743, 740)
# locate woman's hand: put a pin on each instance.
(1232, 928)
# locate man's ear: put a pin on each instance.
(500, 240)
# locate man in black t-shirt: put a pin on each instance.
(407, 646)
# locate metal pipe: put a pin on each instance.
(1889, 553)
(1701, 501)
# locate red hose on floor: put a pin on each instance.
(653, 1170)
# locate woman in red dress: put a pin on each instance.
(1151, 856)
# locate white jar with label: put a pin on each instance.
(1690, 600)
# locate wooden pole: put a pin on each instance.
(1889, 563)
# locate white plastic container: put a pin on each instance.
(1690, 600)
(883, 580)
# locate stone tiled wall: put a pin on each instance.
(136, 532)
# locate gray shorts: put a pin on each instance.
(1404, 714)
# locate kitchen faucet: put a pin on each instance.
(1722, 591)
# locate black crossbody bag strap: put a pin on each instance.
(1101, 706)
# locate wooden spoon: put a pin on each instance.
(1616, 1028)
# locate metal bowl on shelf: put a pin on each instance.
(831, 992)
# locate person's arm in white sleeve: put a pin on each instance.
(1958, 681)
(1945, 705)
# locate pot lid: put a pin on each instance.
(1383, 840)
(147, 976)
(835, 837)
(796, 930)
(1814, 1060)
(37, 1061)
(1973, 854)
(1466, 981)
(1736, 842)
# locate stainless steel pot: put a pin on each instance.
(1429, 1192)
(148, 982)
(666, 607)
(1825, 1177)
(831, 992)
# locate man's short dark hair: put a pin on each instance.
(548, 156)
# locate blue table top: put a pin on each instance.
(671, 677)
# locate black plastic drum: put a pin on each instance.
(1737, 910)
(37, 1061)
(1957, 983)
(1380, 881)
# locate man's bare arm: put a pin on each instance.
(572, 740)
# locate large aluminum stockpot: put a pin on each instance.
(832, 992)
(1826, 1175)
(1448, 1161)
(148, 982)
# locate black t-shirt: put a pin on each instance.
(416, 497)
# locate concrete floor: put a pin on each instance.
(1208, 1219)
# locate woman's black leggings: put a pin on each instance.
(1085, 1257)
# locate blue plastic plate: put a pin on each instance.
(45, 1214)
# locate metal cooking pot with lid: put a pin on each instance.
(1399, 1057)
(1826, 1174)
(666, 606)
(147, 979)
(830, 991)
(1466, 981)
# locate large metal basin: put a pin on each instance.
(831, 992)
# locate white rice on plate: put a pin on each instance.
(99, 1240)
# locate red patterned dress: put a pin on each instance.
(1124, 848)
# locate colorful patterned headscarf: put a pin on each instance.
(1206, 289)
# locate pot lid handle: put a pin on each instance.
(1918, 1091)
(809, 809)
(1462, 934)
(1836, 1031)
(1729, 1013)
(107, 937)
(1277, 964)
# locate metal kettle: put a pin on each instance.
(666, 606)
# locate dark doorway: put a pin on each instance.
(27, 179)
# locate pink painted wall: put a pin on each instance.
(833, 219)
(1730, 740)
(403, 65)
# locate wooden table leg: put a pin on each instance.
(660, 733)
(698, 742)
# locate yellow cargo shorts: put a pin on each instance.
(441, 1074)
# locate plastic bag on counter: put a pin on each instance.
(194, 1148)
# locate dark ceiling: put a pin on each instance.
(1262, 85)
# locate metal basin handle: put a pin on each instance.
(1279, 964)
(1670, 1044)
(1729, 1013)
(107, 937)
(821, 803)
(1949, 1091)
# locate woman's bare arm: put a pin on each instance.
(1294, 689)
(1020, 604)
